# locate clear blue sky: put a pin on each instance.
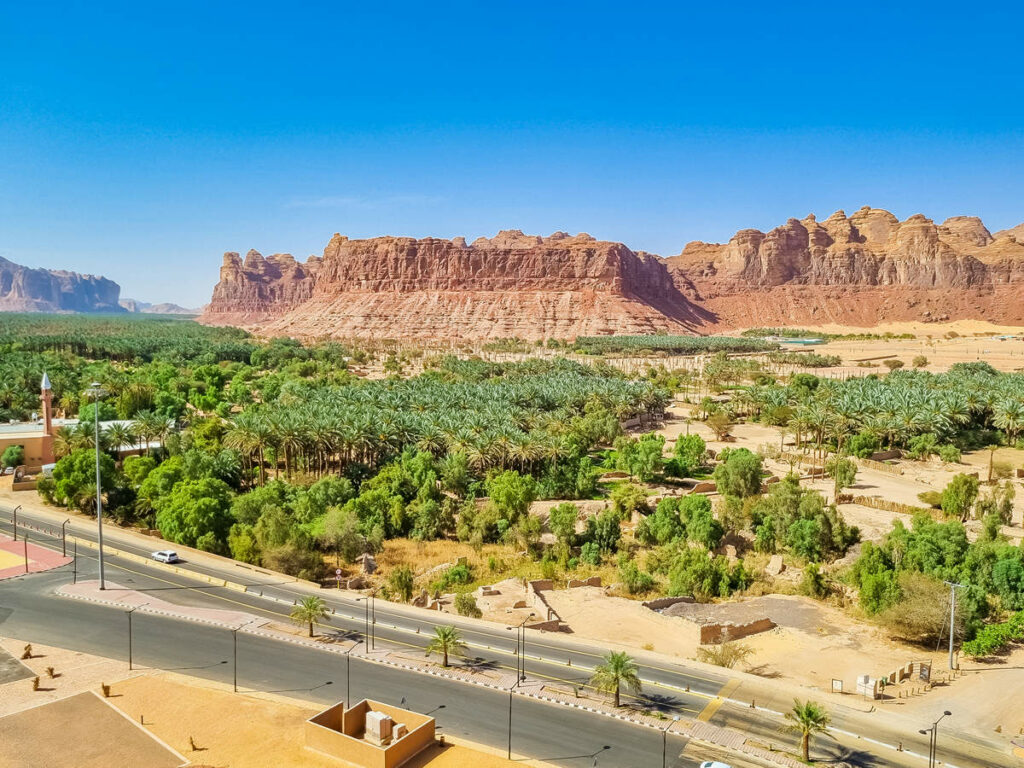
(141, 141)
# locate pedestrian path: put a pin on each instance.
(20, 557)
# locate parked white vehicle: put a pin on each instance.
(166, 556)
(714, 764)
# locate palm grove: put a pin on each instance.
(275, 453)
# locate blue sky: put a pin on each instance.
(141, 141)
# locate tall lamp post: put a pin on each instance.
(519, 675)
(64, 538)
(933, 738)
(952, 618)
(664, 740)
(15, 523)
(130, 612)
(96, 392)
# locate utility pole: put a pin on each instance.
(96, 391)
(952, 619)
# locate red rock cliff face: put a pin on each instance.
(259, 289)
(510, 285)
(858, 270)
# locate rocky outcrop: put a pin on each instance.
(510, 285)
(23, 289)
(857, 270)
(851, 270)
(259, 289)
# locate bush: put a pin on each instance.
(466, 605)
(633, 579)
(892, 364)
(932, 498)
(995, 637)
(401, 581)
(949, 453)
(920, 361)
(726, 654)
(13, 456)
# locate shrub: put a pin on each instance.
(466, 605)
(920, 361)
(949, 453)
(401, 581)
(633, 579)
(932, 498)
(726, 654)
(892, 364)
(13, 456)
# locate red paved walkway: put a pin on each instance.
(12, 558)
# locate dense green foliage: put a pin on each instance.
(675, 345)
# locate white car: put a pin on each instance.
(166, 556)
(714, 764)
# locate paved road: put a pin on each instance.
(671, 688)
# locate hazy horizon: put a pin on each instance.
(142, 146)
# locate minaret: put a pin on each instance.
(47, 397)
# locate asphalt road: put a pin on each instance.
(670, 688)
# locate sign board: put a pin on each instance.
(337, 572)
(837, 686)
(925, 675)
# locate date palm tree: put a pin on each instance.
(310, 610)
(446, 641)
(805, 720)
(616, 671)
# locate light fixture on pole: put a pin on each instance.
(664, 740)
(933, 740)
(95, 391)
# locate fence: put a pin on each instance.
(876, 502)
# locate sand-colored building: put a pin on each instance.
(35, 437)
(369, 734)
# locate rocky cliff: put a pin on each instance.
(510, 285)
(259, 289)
(857, 270)
(23, 289)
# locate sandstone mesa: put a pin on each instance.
(861, 270)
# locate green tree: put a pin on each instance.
(689, 453)
(74, 479)
(739, 474)
(958, 497)
(446, 641)
(341, 533)
(805, 720)
(616, 671)
(628, 498)
(193, 509)
(401, 581)
(310, 610)
(843, 473)
(511, 493)
(562, 522)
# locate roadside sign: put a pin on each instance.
(337, 571)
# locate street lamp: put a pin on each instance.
(96, 392)
(952, 618)
(15, 523)
(64, 538)
(664, 740)
(519, 677)
(933, 738)
(130, 612)
(348, 674)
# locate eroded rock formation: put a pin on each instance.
(853, 270)
(858, 270)
(510, 285)
(23, 289)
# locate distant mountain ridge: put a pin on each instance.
(145, 308)
(24, 289)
